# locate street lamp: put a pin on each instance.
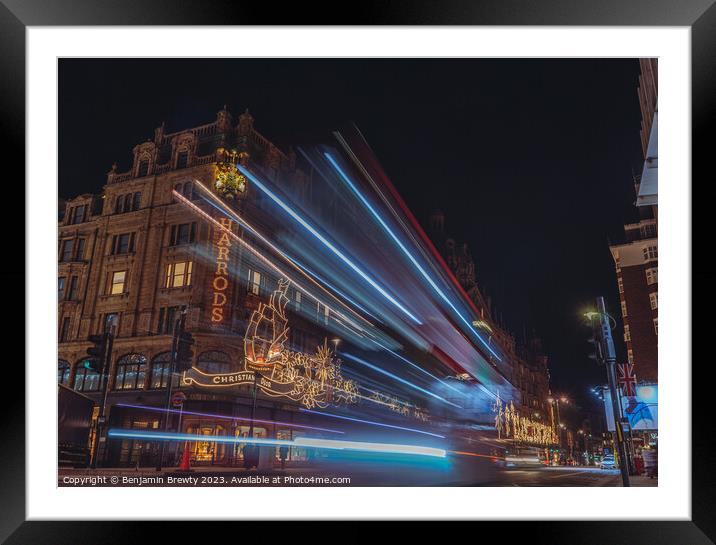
(335, 342)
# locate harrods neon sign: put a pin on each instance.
(220, 283)
(313, 380)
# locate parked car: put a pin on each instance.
(608, 462)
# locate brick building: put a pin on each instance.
(636, 260)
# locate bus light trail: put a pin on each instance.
(291, 212)
(370, 422)
(311, 442)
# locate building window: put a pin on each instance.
(214, 362)
(80, 249)
(119, 205)
(656, 326)
(182, 159)
(86, 380)
(118, 282)
(627, 333)
(620, 283)
(298, 300)
(254, 282)
(178, 274)
(322, 312)
(61, 288)
(624, 309)
(648, 230)
(123, 244)
(130, 373)
(160, 372)
(650, 252)
(65, 329)
(136, 200)
(63, 372)
(143, 169)
(78, 214)
(167, 317)
(653, 302)
(652, 276)
(188, 190)
(66, 250)
(72, 293)
(183, 233)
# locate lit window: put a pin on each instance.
(118, 282)
(620, 283)
(178, 274)
(652, 276)
(627, 333)
(131, 370)
(160, 372)
(653, 302)
(630, 356)
(254, 282)
(63, 372)
(624, 308)
(86, 380)
(650, 252)
(656, 326)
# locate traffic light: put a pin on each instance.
(96, 352)
(596, 353)
(185, 355)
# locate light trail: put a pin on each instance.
(228, 417)
(221, 207)
(261, 257)
(327, 243)
(412, 259)
(385, 448)
(395, 377)
(372, 423)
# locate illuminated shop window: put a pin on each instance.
(118, 282)
(63, 372)
(178, 274)
(86, 380)
(160, 372)
(214, 362)
(653, 302)
(130, 373)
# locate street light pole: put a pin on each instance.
(609, 358)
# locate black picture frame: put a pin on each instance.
(699, 15)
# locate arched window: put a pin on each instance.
(136, 201)
(63, 372)
(214, 362)
(119, 205)
(86, 380)
(130, 372)
(160, 372)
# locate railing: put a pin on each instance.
(161, 169)
(205, 159)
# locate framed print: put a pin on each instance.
(405, 270)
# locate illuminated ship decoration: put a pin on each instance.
(313, 380)
(228, 181)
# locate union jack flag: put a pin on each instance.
(627, 379)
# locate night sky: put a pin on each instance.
(530, 160)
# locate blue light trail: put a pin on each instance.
(361, 421)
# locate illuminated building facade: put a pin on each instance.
(525, 366)
(636, 260)
(135, 254)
